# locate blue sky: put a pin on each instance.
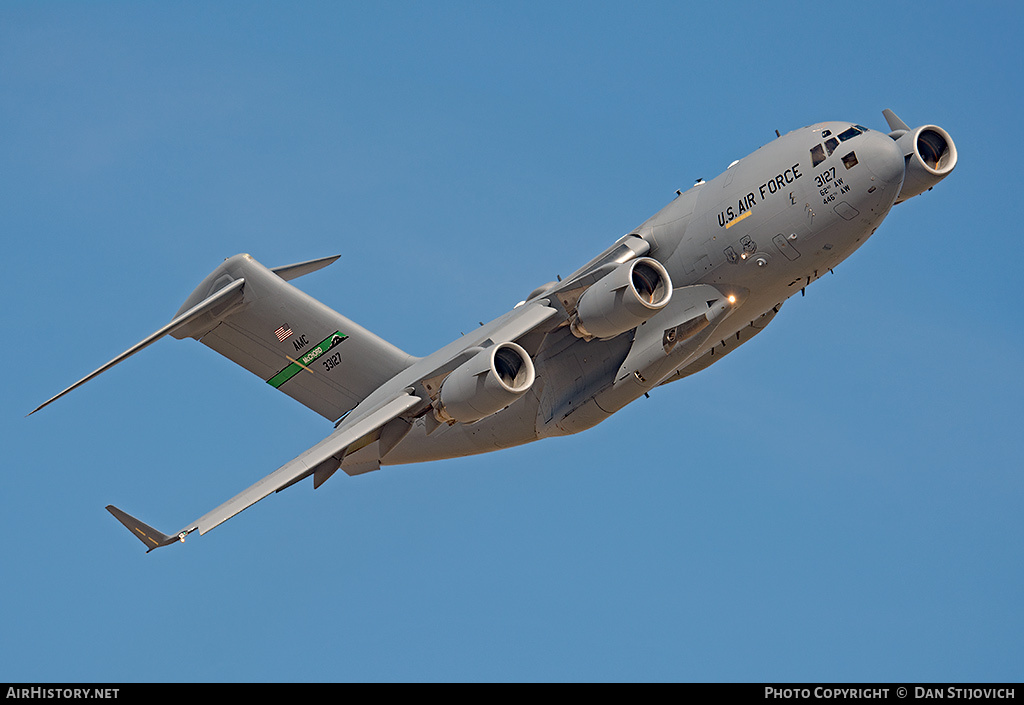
(840, 500)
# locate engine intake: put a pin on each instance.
(491, 380)
(930, 157)
(632, 293)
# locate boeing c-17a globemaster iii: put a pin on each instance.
(699, 278)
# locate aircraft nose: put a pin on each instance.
(884, 158)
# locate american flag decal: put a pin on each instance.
(283, 332)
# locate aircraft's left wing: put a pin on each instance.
(407, 394)
(325, 457)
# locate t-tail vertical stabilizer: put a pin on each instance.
(289, 339)
(254, 317)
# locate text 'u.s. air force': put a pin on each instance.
(772, 186)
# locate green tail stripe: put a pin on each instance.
(296, 367)
(284, 375)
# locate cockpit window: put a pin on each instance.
(861, 128)
(830, 144)
(817, 155)
(847, 134)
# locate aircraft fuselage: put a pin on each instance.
(760, 232)
(692, 283)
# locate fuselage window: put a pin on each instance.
(817, 155)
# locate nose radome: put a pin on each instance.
(883, 157)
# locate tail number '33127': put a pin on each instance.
(332, 362)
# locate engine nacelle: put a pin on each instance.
(930, 156)
(620, 301)
(491, 380)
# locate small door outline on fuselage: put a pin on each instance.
(785, 247)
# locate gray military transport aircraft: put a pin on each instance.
(698, 279)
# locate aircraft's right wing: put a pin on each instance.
(325, 457)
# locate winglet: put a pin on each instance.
(895, 124)
(143, 532)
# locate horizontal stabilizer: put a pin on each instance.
(294, 271)
(201, 308)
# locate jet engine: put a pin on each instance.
(930, 156)
(491, 380)
(620, 301)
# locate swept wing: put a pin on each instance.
(325, 456)
(234, 311)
